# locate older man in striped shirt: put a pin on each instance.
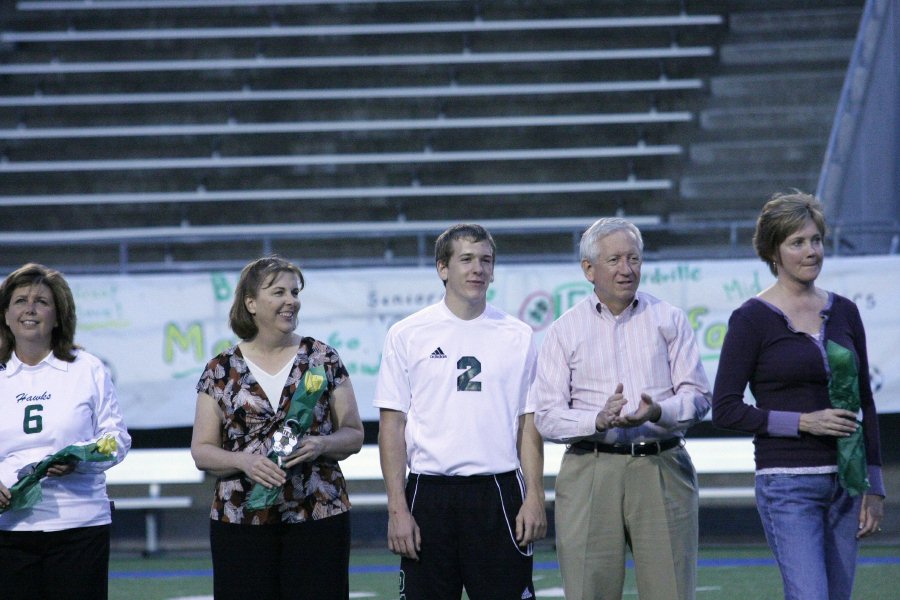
(620, 380)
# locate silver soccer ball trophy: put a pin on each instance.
(285, 441)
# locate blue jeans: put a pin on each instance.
(810, 523)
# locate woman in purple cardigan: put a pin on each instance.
(802, 349)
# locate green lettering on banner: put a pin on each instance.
(741, 290)
(221, 346)
(694, 315)
(336, 342)
(355, 368)
(567, 295)
(715, 336)
(712, 336)
(678, 273)
(221, 288)
(370, 369)
(192, 339)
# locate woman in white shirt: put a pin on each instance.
(53, 395)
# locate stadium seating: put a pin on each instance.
(133, 129)
(176, 134)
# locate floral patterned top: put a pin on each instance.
(314, 490)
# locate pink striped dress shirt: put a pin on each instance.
(588, 351)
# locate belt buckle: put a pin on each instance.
(637, 449)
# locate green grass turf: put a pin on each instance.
(731, 573)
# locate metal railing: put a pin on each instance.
(295, 31)
(406, 191)
(721, 239)
(650, 117)
(332, 160)
(451, 90)
(258, 63)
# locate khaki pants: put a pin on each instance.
(606, 503)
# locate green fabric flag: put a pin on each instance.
(298, 418)
(843, 391)
(27, 491)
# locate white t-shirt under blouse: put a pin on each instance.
(45, 408)
(462, 384)
(271, 384)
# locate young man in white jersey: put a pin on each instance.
(452, 393)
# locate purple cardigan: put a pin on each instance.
(788, 375)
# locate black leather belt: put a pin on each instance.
(635, 449)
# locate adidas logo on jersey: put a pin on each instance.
(438, 353)
(527, 594)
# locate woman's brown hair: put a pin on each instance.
(257, 274)
(781, 216)
(63, 336)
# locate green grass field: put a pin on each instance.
(732, 573)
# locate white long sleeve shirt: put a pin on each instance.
(45, 408)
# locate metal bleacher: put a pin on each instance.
(170, 134)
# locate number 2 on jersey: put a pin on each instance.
(472, 368)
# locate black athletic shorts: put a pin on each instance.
(468, 527)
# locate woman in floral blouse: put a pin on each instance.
(275, 414)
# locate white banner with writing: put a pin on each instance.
(156, 332)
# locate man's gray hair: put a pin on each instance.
(603, 227)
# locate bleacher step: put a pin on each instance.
(765, 119)
(842, 21)
(763, 88)
(787, 53)
(757, 152)
(743, 190)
